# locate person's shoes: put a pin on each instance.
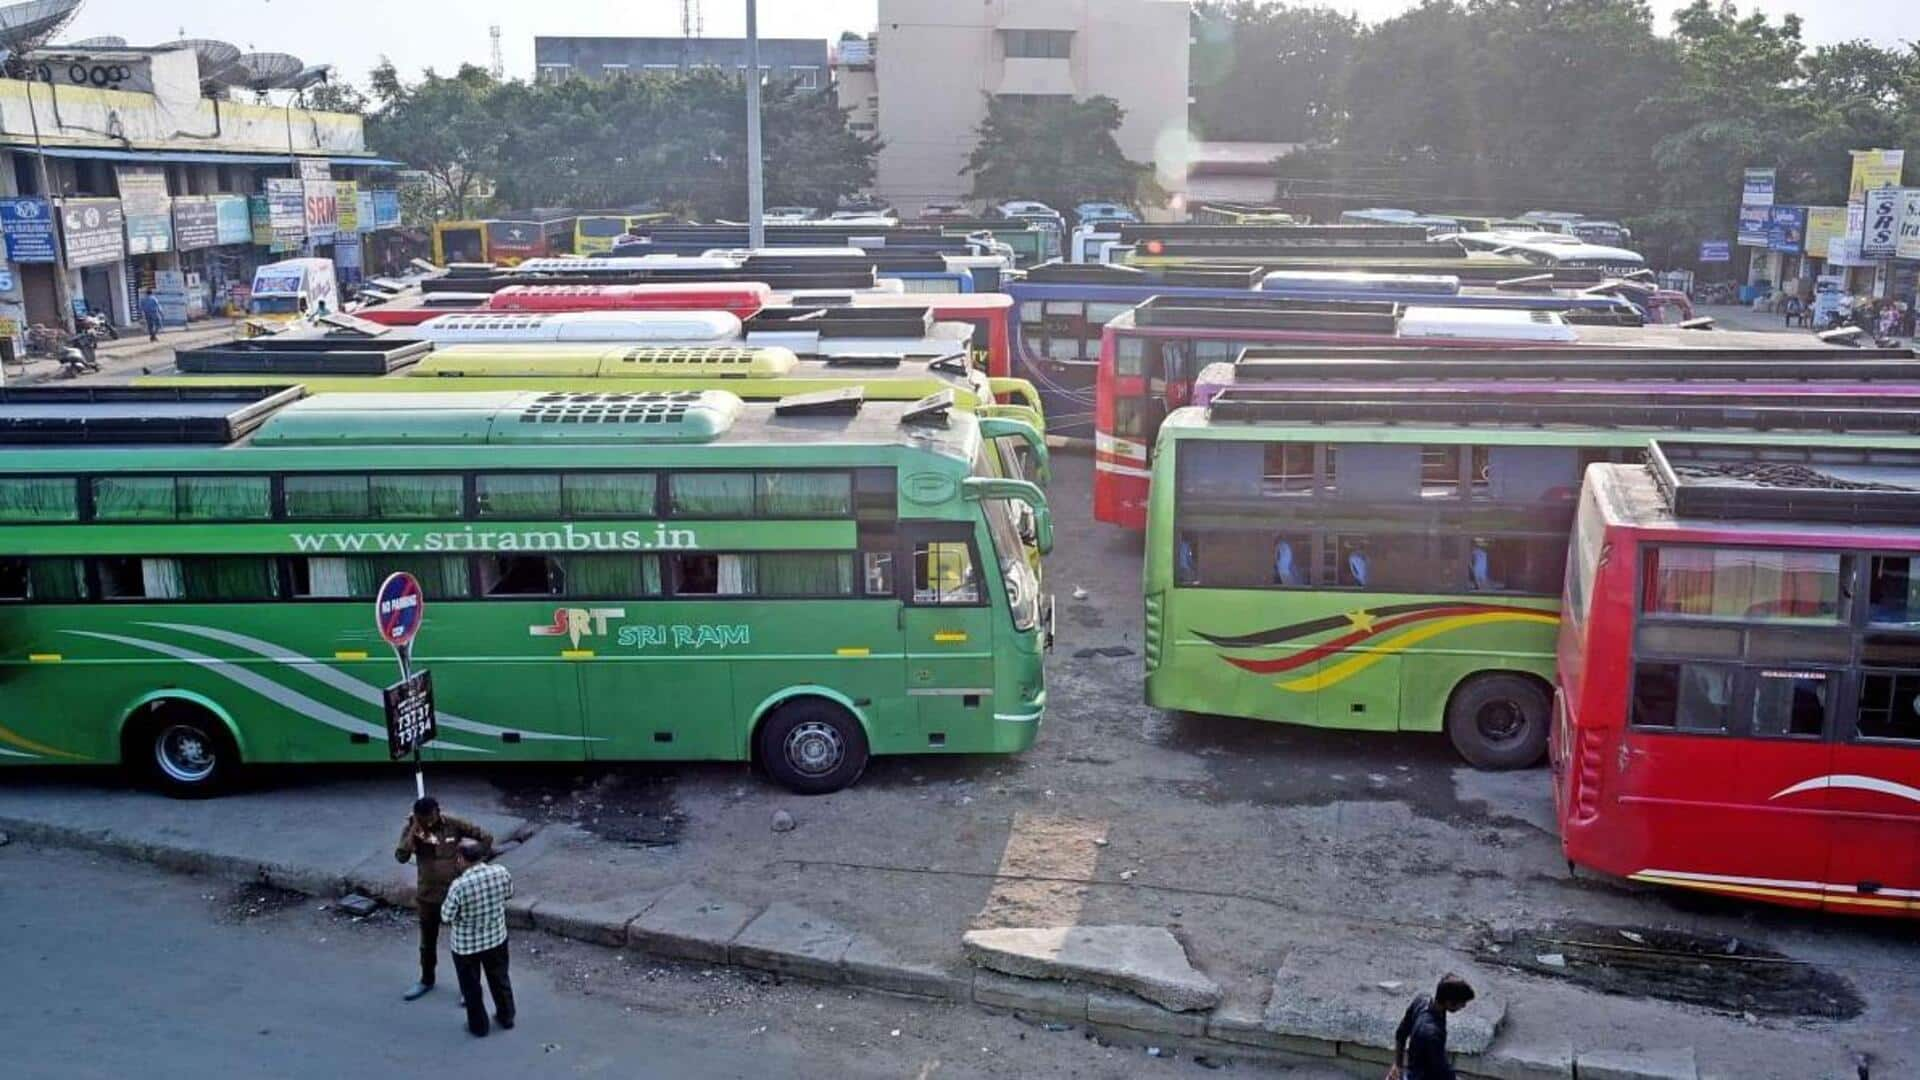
(478, 1033)
(505, 1022)
(463, 1001)
(416, 991)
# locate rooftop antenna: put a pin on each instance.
(693, 23)
(499, 68)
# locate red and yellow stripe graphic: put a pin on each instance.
(1414, 623)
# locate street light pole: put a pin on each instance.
(60, 295)
(756, 211)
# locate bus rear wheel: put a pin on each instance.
(183, 752)
(1500, 721)
(812, 746)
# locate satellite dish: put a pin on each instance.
(267, 70)
(104, 41)
(215, 57)
(309, 76)
(25, 27)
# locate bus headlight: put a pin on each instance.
(1023, 594)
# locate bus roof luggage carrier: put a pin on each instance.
(1841, 486)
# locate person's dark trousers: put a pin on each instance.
(153, 329)
(494, 962)
(429, 941)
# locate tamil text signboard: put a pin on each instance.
(93, 231)
(1716, 251)
(1824, 224)
(234, 223)
(1874, 169)
(28, 224)
(346, 202)
(147, 209)
(196, 224)
(1786, 228)
(1752, 231)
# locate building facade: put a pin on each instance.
(798, 59)
(110, 191)
(935, 62)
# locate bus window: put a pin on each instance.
(1742, 584)
(1523, 564)
(1893, 592)
(521, 575)
(715, 575)
(943, 573)
(1129, 356)
(1792, 704)
(359, 576)
(1686, 697)
(1889, 705)
(44, 580)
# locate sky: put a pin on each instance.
(354, 34)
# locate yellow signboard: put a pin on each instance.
(1824, 223)
(1874, 169)
(348, 194)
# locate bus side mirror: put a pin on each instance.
(1020, 391)
(980, 489)
(994, 427)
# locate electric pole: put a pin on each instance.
(756, 219)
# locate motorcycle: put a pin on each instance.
(77, 355)
(98, 324)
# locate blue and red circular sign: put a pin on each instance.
(399, 608)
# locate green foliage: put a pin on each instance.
(678, 143)
(1058, 151)
(1268, 73)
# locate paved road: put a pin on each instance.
(116, 971)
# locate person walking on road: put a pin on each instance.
(431, 839)
(1420, 1043)
(476, 912)
(150, 312)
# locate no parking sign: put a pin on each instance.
(398, 610)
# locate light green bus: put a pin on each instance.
(1392, 564)
(185, 580)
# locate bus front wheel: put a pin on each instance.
(812, 746)
(1500, 721)
(183, 751)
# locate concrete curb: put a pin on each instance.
(688, 923)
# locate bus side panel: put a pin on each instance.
(1429, 676)
(850, 647)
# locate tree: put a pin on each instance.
(444, 128)
(1058, 151)
(1266, 72)
(341, 97)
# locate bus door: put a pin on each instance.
(947, 629)
(1874, 778)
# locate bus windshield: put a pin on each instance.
(602, 226)
(274, 305)
(1010, 525)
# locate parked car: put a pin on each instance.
(943, 209)
(1088, 212)
(1029, 208)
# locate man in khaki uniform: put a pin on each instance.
(432, 840)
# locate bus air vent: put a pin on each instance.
(844, 401)
(644, 408)
(932, 409)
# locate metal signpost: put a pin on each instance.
(398, 610)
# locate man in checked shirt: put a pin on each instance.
(476, 911)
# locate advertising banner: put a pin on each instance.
(196, 224)
(314, 170)
(1881, 229)
(27, 222)
(147, 209)
(93, 230)
(1752, 231)
(1874, 169)
(1786, 228)
(323, 211)
(1716, 251)
(346, 257)
(235, 219)
(386, 209)
(1907, 245)
(346, 195)
(1824, 223)
(170, 288)
(365, 210)
(286, 204)
(1756, 188)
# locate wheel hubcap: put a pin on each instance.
(184, 754)
(815, 749)
(1500, 721)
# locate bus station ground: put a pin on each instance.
(1319, 879)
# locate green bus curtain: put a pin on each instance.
(806, 574)
(326, 496)
(56, 579)
(225, 498)
(726, 495)
(399, 495)
(134, 498)
(518, 495)
(800, 494)
(611, 494)
(39, 498)
(440, 576)
(229, 578)
(612, 575)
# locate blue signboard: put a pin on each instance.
(386, 209)
(1753, 226)
(28, 225)
(1786, 229)
(1716, 251)
(234, 226)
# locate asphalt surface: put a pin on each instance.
(116, 971)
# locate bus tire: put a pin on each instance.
(812, 746)
(1500, 721)
(181, 750)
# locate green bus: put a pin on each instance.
(1375, 560)
(185, 579)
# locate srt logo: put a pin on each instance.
(574, 623)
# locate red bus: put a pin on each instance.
(740, 298)
(1152, 356)
(1738, 668)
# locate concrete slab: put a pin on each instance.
(1124, 1010)
(1143, 960)
(1667, 1064)
(793, 941)
(603, 922)
(520, 912)
(689, 923)
(1240, 1023)
(872, 964)
(1034, 997)
(1336, 995)
(1520, 1059)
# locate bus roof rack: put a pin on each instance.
(864, 360)
(1775, 483)
(844, 401)
(51, 416)
(303, 354)
(1385, 407)
(1395, 365)
(833, 321)
(1134, 232)
(932, 409)
(1268, 313)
